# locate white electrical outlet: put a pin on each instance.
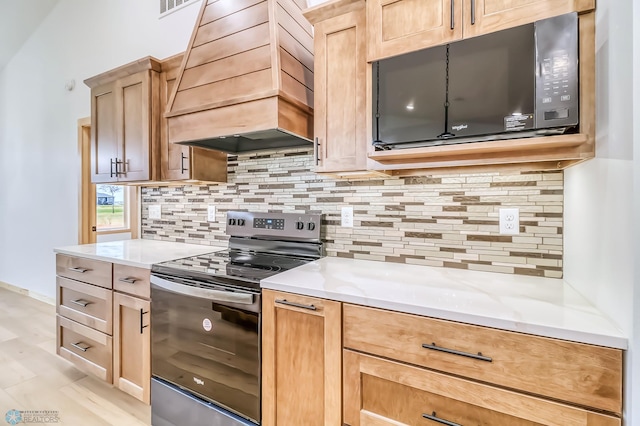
(155, 211)
(510, 221)
(346, 217)
(211, 213)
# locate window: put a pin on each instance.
(112, 207)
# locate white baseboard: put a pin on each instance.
(28, 293)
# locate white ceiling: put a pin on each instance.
(18, 20)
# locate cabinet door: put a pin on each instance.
(135, 126)
(104, 133)
(382, 392)
(485, 16)
(174, 157)
(401, 26)
(301, 360)
(181, 162)
(340, 92)
(131, 345)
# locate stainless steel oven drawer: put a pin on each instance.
(174, 407)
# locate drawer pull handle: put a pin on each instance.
(434, 418)
(128, 280)
(79, 269)
(81, 302)
(82, 346)
(296, 305)
(479, 356)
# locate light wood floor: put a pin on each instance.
(34, 378)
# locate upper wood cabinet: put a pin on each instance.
(301, 360)
(125, 111)
(180, 162)
(400, 26)
(340, 85)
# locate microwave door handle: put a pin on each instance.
(205, 293)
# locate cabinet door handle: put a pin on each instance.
(142, 326)
(81, 302)
(79, 269)
(434, 418)
(473, 12)
(82, 346)
(296, 305)
(128, 280)
(111, 169)
(453, 22)
(316, 147)
(479, 356)
(183, 157)
(124, 167)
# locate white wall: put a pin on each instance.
(39, 162)
(600, 201)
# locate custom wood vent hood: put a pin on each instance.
(246, 80)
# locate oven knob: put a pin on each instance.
(240, 222)
(311, 226)
(232, 221)
(300, 225)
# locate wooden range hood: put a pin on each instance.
(246, 80)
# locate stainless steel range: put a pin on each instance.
(205, 320)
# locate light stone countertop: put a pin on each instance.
(541, 306)
(139, 253)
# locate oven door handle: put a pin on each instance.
(205, 293)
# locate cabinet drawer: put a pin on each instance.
(132, 280)
(299, 303)
(382, 392)
(88, 349)
(87, 270)
(579, 373)
(85, 303)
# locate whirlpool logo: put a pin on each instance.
(459, 127)
(198, 381)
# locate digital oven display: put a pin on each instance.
(268, 223)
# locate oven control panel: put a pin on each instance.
(283, 225)
(268, 223)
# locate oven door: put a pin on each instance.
(206, 341)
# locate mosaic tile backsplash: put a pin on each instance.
(438, 220)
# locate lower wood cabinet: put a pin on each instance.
(103, 321)
(378, 391)
(132, 345)
(301, 360)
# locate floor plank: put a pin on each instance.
(33, 377)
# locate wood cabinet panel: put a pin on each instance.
(90, 271)
(582, 374)
(125, 123)
(132, 280)
(301, 360)
(88, 349)
(132, 346)
(485, 16)
(400, 26)
(340, 113)
(179, 162)
(87, 304)
(383, 392)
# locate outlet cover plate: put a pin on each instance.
(510, 221)
(155, 211)
(211, 213)
(346, 217)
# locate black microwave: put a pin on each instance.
(514, 83)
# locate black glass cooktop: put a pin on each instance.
(232, 267)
